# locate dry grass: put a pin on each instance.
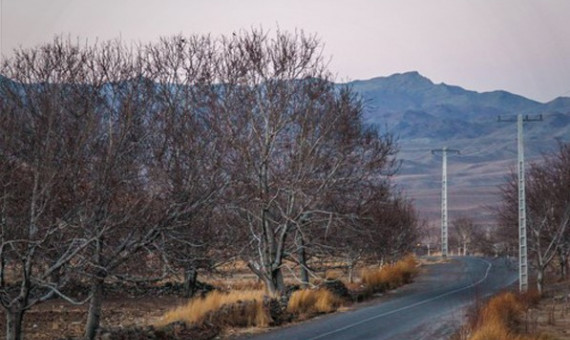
(313, 301)
(390, 276)
(242, 305)
(500, 318)
(251, 312)
(238, 284)
(333, 274)
(503, 310)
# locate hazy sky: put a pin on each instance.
(521, 46)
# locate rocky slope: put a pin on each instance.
(426, 116)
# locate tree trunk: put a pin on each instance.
(94, 313)
(14, 320)
(273, 279)
(274, 282)
(302, 261)
(539, 279)
(190, 275)
(563, 258)
(304, 275)
(3, 265)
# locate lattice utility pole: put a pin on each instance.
(523, 251)
(444, 229)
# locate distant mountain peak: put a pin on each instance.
(412, 75)
(390, 97)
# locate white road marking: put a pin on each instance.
(320, 336)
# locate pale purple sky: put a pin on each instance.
(521, 46)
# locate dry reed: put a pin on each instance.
(313, 301)
(500, 318)
(251, 313)
(390, 276)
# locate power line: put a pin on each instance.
(444, 229)
(523, 251)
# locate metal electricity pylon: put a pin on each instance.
(523, 251)
(444, 229)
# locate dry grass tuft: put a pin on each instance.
(310, 302)
(491, 331)
(390, 276)
(500, 318)
(242, 284)
(503, 310)
(333, 274)
(249, 310)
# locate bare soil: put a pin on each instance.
(57, 319)
(552, 315)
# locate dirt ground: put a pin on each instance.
(57, 319)
(552, 315)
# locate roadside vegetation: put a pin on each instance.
(260, 309)
(143, 167)
(548, 216)
(502, 317)
(197, 310)
(392, 276)
(313, 301)
(543, 312)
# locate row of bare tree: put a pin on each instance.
(548, 213)
(134, 163)
(467, 236)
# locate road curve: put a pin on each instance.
(430, 308)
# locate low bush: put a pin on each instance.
(502, 310)
(390, 276)
(313, 301)
(236, 308)
(500, 318)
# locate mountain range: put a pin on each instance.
(424, 116)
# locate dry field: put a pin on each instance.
(552, 315)
(56, 319)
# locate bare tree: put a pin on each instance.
(98, 163)
(187, 166)
(169, 150)
(464, 229)
(379, 224)
(548, 208)
(484, 240)
(119, 208)
(41, 134)
(394, 229)
(561, 164)
(294, 137)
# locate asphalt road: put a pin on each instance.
(430, 308)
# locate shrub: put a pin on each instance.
(390, 276)
(238, 308)
(491, 331)
(504, 309)
(499, 319)
(313, 301)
